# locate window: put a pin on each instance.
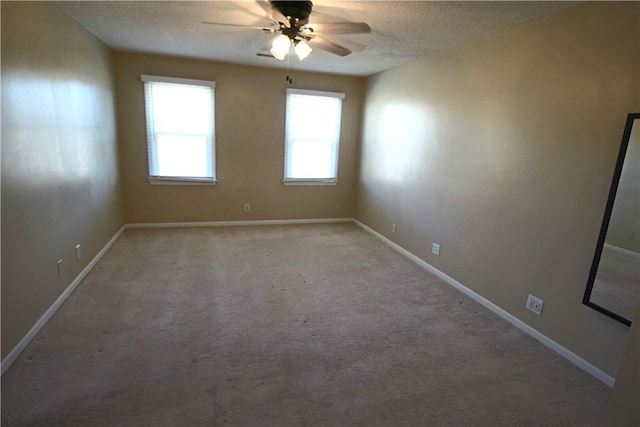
(312, 137)
(180, 129)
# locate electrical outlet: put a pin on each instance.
(78, 251)
(534, 304)
(393, 228)
(247, 207)
(435, 249)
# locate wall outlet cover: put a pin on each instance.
(435, 249)
(534, 304)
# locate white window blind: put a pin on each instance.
(312, 136)
(180, 129)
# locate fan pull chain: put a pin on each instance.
(289, 79)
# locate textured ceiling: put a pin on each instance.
(400, 30)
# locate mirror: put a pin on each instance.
(613, 287)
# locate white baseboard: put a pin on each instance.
(33, 332)
(237, 223)
(548, 342)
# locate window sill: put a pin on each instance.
(311, 182)
(181, 181)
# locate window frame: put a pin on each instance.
(150, 131)
(287, 141)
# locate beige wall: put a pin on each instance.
(502, 151)
(250, 109)
(60, 183)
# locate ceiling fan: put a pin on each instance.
(291, 20)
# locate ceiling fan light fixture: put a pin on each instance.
(302, 49)
(280, 47)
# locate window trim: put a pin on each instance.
(177, 80)
(294, 91)
(312, 181)
(180, 180)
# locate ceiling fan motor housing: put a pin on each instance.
(298, 10)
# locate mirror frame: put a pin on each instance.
(626, 136)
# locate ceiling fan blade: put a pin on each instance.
(251, 27)
(273, 13)
(329, 46)
(340, 28)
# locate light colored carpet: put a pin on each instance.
(306, 325)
